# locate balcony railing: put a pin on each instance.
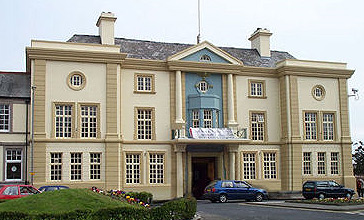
(211, 133)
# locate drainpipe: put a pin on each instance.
(186, 174)
(289, 134)
(32, 147)
(26, 140)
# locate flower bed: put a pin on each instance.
(333, 201)
(140, 198)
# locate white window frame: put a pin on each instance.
(5, 117)
(270, 165)
(95, 166)
(249, 165)
(88, 121)
(257, 126)
(76, 166)
(207, 118)
(14, 160)
(328, 126)
(318, 92)
(203, 86)
(334, 157)
(76, 80)
(144, 124)
(321, 163)
(133, 168)
(55, 168)
(195, 118)
(63, 120)
(307, 163)
(310, 123)
(144, 83)
(256, 89)
(156, 168)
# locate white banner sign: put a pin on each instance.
(212, 133)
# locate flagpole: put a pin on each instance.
(199, 23)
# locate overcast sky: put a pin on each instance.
(324, 30)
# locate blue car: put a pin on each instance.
(224, 190)
(52, 188)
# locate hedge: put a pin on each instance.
(179, 209)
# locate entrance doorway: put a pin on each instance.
(203, 172)
(13, 165)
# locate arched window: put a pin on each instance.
(205, 58)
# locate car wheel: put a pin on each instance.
(259, 197)
(321, 196)
(223, 198)
(348, 195)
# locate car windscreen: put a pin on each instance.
(11, 191)
(51, 188)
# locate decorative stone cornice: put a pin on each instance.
(314, 72)
(139, 64)
(233, 148)
(74, 55)
(178, 148)
(190, 66)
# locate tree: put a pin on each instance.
(358, 158)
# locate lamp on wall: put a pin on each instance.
(354, 93)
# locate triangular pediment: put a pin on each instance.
(195, 52)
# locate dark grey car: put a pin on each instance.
(325, 189)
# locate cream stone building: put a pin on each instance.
(167, 118)
(14, 127)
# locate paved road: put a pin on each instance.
(242, 210)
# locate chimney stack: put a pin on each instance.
(105, 23)
(260, 41)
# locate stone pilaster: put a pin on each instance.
(179, 150)
(111, 145)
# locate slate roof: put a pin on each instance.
(14, 85)
(152, 50)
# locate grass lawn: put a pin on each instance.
(61, 201)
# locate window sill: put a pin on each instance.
(145, 92)
(126, 185)
(257, 97)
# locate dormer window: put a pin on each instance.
(205, 58)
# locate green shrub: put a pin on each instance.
(179, 209)
(13, 215)
(121, 213)
(184, 208)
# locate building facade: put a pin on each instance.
(14, 126)
(168, 118)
